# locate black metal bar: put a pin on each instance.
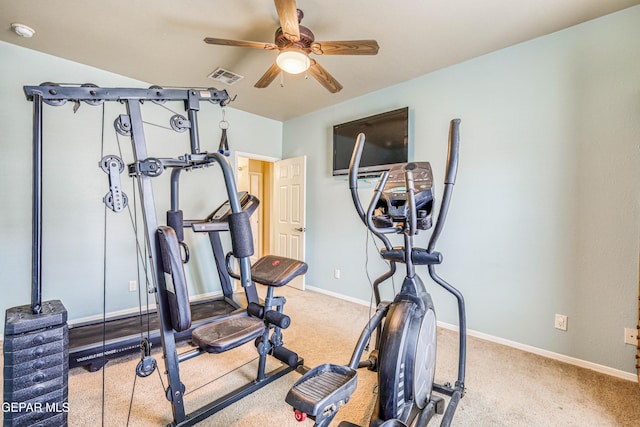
(230, 398)
(190, 355)
(53, 92)
(175, 189)
(218, 255)
(353, 187)
(427, 413)
(234, 203)
(462, 324)
(36, 245)
(175, 390)
(193, 106)
(449, 182)
(377, 192)
(372, 325)
(451, 409)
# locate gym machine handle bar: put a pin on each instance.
(450, 178)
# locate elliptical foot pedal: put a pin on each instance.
(323, 391)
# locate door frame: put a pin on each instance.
(259, 157)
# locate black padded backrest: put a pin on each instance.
(177, 292)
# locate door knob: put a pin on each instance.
(301, 229)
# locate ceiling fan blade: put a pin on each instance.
(348, 47)
(323, 76)
(288, 15)
(268, 77)
(240, 43)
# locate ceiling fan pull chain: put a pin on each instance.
(223, 148)
(281, 79)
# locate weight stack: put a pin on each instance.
(36, 366)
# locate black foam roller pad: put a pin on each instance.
(241, 237)
(175, 220)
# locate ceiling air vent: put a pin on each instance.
(225, 76)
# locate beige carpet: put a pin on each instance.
(505, 387)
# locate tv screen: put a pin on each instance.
(386, 142)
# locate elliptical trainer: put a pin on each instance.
(405, 349)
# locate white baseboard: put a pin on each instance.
(339, 296)
(524, 347)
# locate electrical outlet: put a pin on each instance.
(133, 285)
(336, 273)
(561, 322)
(631, 336)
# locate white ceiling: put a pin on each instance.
(161, 41)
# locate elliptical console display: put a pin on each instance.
(394, 204)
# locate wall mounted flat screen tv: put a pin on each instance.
(386, 137)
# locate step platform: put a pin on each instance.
(322, 391)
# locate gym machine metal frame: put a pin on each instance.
(145, 168)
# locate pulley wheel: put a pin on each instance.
(158, 101)
(122, 128)
(108, 200)
(53, 102)
(93, 102)
(178, 123)
(108, 161)
(146, 367)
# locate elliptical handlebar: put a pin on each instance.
(450, 180)
(454, 149)
(411, 199)
(377, 192)
(354, 164)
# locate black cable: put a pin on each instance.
(135, 379)
(166, 108)
(221, 376)
(157, 125)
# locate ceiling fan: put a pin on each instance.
(295, 42)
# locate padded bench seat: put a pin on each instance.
(227, 334)
(273, 270)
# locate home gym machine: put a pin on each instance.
(122, 333)
(260, 322)
(405, 345)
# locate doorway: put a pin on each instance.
(278, 225)
(255, 175)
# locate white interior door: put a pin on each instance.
(289, 211)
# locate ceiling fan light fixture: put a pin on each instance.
(293, 61)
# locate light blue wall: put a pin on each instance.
(74, 185)
(545, 215)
